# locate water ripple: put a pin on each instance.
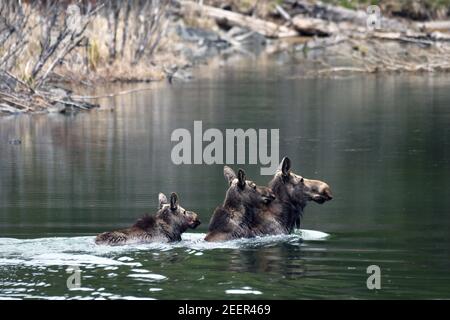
(72, 251)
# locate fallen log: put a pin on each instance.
(21, 101)
(9, 109)
(439, 36)
(434, 25)
(413, 37)
(266, 28)
(313, 26)
(338, 14)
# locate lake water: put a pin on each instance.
(381, 142)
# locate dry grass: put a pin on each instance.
(41, 44)
(92, 59)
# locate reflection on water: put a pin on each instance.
(382, 143)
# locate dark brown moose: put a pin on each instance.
(166, 225)
(250, 210)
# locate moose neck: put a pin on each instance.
(291, 208)
(172, 229)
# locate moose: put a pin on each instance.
(292, 193)
(167, 225)
(239, 215)
(250, 210)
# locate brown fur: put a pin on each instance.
(250, 210)
(166, 225)
(293, 192)
(239, 216)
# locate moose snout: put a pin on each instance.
(194, 221)
(323, 196)
(327, 194)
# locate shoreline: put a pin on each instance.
(327, 40)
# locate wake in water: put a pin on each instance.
(71, 251)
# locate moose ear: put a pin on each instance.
(162, 199)
(173, 201)
(241, 178)
(229, 174)
(285, 166)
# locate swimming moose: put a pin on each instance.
(166, 225)
(239, 215)
(250, 210)
(292, 193)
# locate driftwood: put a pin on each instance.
(329, 12)
(313, 26)
(266, 28)
(324, 20)
(370, 57)
(40, 101)
(434, 26)
(413, 37)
